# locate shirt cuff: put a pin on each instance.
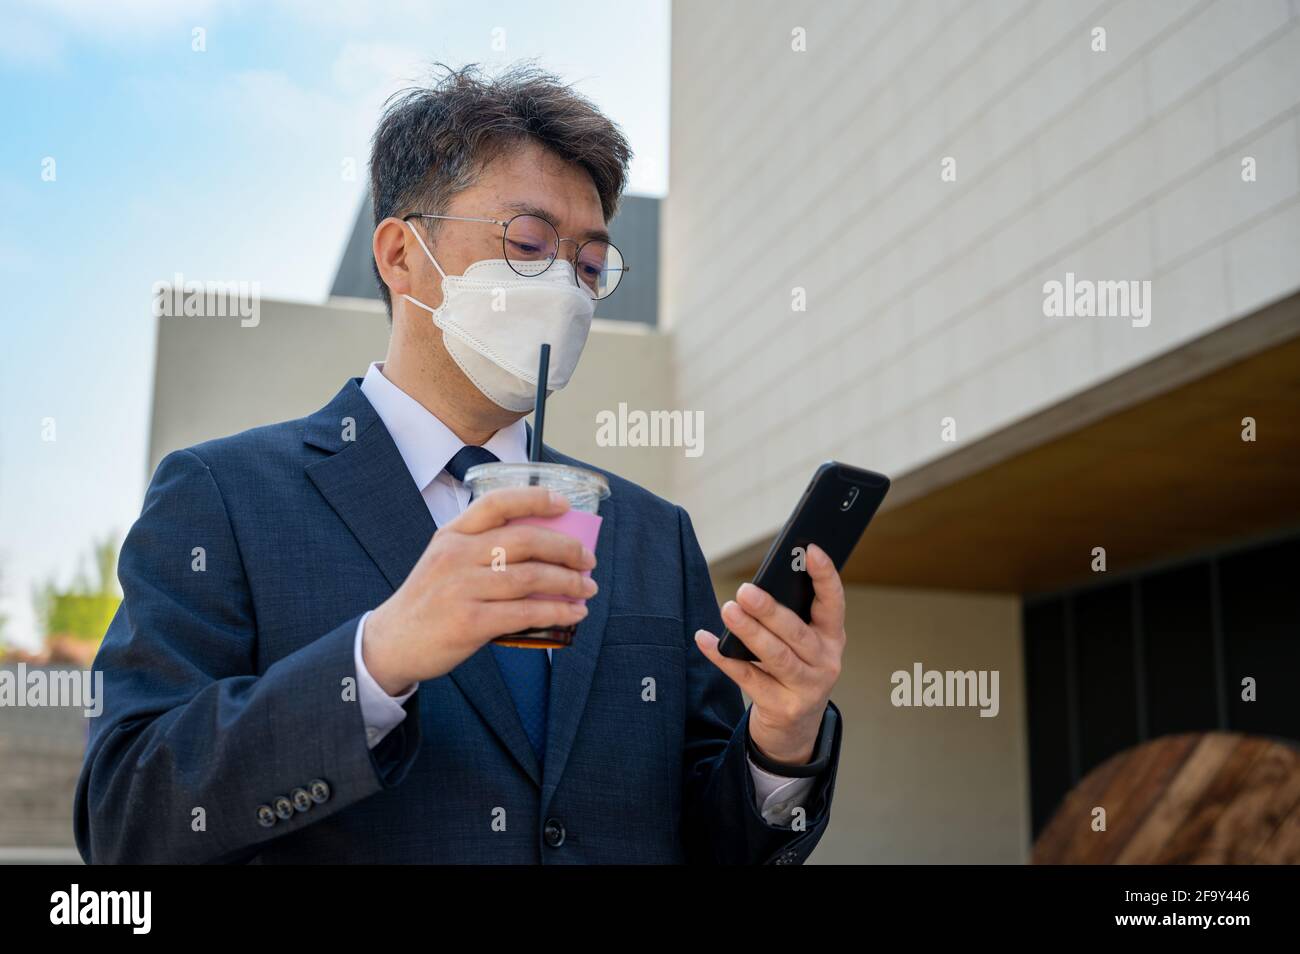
(776, 797)
(381, 712)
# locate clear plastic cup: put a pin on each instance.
(584, 490)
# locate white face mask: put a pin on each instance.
(494, 322)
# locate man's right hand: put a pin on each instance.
(454, 601)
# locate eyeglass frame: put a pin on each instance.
(505, 227)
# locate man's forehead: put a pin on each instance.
(529, 178)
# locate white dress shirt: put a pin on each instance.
(426, 445)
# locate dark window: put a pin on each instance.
(1103, 640)
(1178, 630)
(1049, 730)
(1260, 598)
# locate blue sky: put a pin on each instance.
(225, 164)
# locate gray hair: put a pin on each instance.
(433, 141)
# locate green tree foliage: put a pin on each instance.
(85, 609)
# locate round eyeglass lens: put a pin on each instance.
(530, 244)
(600, 266)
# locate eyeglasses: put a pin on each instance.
(530, 244)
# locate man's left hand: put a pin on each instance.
(798, 663)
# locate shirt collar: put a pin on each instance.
(425, 442)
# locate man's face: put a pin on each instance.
(526, 178)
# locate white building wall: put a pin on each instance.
(821, 170)
(928, 785)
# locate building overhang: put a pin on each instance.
(1149, 465)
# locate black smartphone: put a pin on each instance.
(832, 513)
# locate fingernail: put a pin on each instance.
(590, 587)
(558, 498)
(588, 557)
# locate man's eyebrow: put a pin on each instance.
(527, 208)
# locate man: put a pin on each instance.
(301, 669)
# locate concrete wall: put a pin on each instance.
(624, 362)
(213, 377)
(927, 785)
(821, 170)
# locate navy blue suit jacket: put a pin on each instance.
(227, 675)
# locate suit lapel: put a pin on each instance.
(480, 679)
(366, 481)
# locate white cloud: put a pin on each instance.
(26, 43)
(355, 14)
(376, 68)
(37, 35)
(97, 19)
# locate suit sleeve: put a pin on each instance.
(721, 823)
(192, 739)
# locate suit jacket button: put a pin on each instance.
(301, 799)
(553, 832)
(319, 790)
(283, 807)
(265, 816)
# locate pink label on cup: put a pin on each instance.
(574, 523)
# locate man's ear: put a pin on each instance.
(391, 245)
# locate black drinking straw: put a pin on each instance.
(539, 408)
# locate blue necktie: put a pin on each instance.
(527, 672)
